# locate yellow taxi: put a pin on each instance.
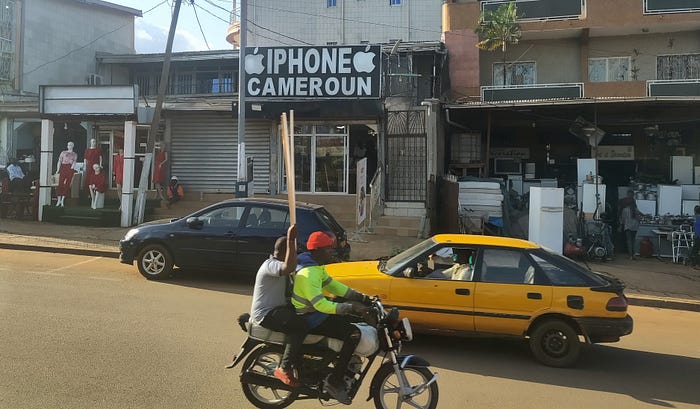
(458, 284)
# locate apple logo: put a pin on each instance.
(363, 61)
(253, 63)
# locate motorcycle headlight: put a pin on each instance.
(130, 234)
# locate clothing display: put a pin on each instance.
(118, 168)
(65, 172)
(92, 156)
(159, 168)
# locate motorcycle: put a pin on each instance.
(401, 379)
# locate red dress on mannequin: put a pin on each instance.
(65, 172)
(92, 156)
(159, 169)
(118, 168)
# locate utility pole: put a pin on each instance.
(165, 73)
(242, 169)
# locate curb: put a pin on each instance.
(665, 303)
(62, 250)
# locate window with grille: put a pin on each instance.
(394, 2)
(7, 40)
(517, 73)
(678, 67)
(609, 69)
(331, 3)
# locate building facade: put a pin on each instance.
(52, 42)
(626, 73)
(273, 23)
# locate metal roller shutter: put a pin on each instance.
(203, 151)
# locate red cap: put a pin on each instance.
(318, 240)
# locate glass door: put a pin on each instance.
(320, 158)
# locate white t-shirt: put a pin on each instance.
(269, 291)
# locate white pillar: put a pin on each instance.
(129, 161)
(45, 165)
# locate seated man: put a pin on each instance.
(16, 176)
(462, 269)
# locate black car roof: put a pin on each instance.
(273, 201)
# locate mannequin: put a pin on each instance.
(98, 187)
(64, 170)
(159, 181)
(93, 155)
(118, 172)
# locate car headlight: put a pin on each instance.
(130, 234)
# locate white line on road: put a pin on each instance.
(45, 273)
(75, 264)
(106, 279)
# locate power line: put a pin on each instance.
(201, 30)
(90, 43)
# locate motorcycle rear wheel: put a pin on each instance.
(387, 397)
(264, 361)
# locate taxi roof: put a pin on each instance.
(484, 240)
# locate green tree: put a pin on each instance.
(499, 28)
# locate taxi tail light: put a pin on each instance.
(618, 303)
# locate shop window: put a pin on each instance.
(678, 67)
(609, 69)
(320, 158)
(516, 73)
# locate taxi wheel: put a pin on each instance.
(555, 343)
(155, 262)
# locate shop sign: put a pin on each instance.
(313, 72)
(616, 152)
(511, 153)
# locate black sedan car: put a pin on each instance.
(236, 235)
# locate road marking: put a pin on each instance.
(46, 273)
(106, 279)
(75, 264)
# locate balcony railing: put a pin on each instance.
(673, 88)
(671, 6)
(534, 10)
(531, 92)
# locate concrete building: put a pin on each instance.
(321, 22)
(52, 42)
(627, 68)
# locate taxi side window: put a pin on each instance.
(506, 267)
(559, 276)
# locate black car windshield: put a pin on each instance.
(398, 261)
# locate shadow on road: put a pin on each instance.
(229, 282)
(652, 378)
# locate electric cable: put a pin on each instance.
(201, 30)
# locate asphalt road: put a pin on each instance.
(88, 332)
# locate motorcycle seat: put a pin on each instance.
(263, 334)
(369, 342)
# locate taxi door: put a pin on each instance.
(507, 294)
(433, 303)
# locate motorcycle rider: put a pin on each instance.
(271, 308)
(323, 316)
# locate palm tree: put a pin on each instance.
(499, 28)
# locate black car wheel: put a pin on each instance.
(555, 343)
(155, 262)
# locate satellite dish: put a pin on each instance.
(586, 131)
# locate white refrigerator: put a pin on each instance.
(547, 217)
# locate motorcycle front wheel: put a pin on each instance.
(264, 361)
(389, 395)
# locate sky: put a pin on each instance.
(151, 32)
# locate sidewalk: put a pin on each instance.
(650, 282)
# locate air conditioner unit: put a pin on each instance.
(94, 79)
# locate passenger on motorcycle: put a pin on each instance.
(325, 317)
(271, 307)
